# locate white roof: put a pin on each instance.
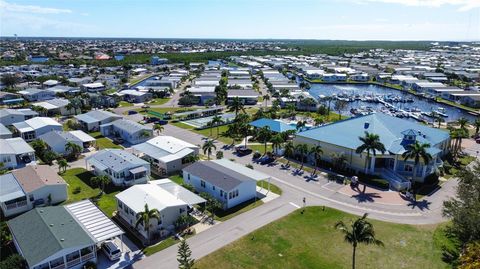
(93, 85)
(169, 143)
(93, 221)
(132, 92)
(154, 196)
(256, 175)
(82, 136)
(15, 146)
(178, 191)
(39, 122)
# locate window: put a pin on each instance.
(213, 187)
(188, 176)
(202, 183)
(182, 210)
(120, 205)
(30, 197)
(408, 168)
(56, 262)
(221, 193)
(72, 256)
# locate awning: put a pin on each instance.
(137, 170)
(94, 221)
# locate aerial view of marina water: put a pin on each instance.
(239, 134)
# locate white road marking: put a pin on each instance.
(295, 205)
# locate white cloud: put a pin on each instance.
(463, 5)
(11, 7)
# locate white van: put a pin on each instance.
(111, 250)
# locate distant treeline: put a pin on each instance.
(301, 47)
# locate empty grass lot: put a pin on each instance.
(80, 178)
(309, 240)
(104, 142)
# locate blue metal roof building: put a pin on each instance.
(276, 126)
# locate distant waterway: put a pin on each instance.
(423, 104)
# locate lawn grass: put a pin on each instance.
(106, 143)
(273, 188)
(162, 245)
(80, 178)
(206, 132)
(260, 148)
(309, 240)
(159, 101)
(124, 104)
(223, 215)
(177, 179)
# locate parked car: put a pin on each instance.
(242, 150)
(111, 250)
(132, 112)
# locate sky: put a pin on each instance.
(442, 20)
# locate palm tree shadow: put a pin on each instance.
(364, 197)
(422, 205)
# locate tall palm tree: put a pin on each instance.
(73, 149)
(145, 217)
(302, 149)
(208, 147)
(417, 152)
(266, 98)
(217, 121)
(300, 125)
(277, 141)
(289, 150)
(462, 123)
(370, 143)
(62, 165)
(361, 232)
(476, 124)
(101, 181)
(236, 105)
(317, 152)
(158, 128)
(264, 134)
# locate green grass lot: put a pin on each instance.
(273, 188)
(206, 132)
(309, 240)
(462, 162)
(159, 101)
(103, 142)
(162, 245)
(223, 215)
(80, 178)
(260, 148)
(125, 104)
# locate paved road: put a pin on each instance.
(295, 188)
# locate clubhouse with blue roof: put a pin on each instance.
(276, 126)
(395, 134)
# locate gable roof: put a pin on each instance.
(15, 146)
(223, 173)
(43, 232)
(9, 188)
(165, 148)
(277, 126)
(115, 159)
(390, 129)
(129, 126)
(96, 116)
(35, 123)
(33, 177)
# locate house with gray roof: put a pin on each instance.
(15, 153)
(11, 116)
(56, 106)
(247, 97)
(228, 182)
(395, 134)
(34, 94)
(57, 140)
(127, 130)
(122, 167)
(32, 128)
(92, 120)
(31, 186)
(5, 132)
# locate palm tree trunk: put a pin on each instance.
(353, 257)
(366, 162)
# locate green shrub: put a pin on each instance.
(77, 190)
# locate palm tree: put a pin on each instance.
(370, 143)
(416, 152)
(236, 105)
(476, 124)
(217, 121)
(462, 123)
(265, 134)
(73, 149)
(340, 105)
(145, 217)
(266, 98)
(101, 181)
(317, 152)
(277, 141)
(207, 147)
(62, 165)
(300, 125)
(289, 150)
(302, 149)
(158, 128)
(361, 232)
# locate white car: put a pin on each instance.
(111, 250)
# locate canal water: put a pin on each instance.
(362, 90)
